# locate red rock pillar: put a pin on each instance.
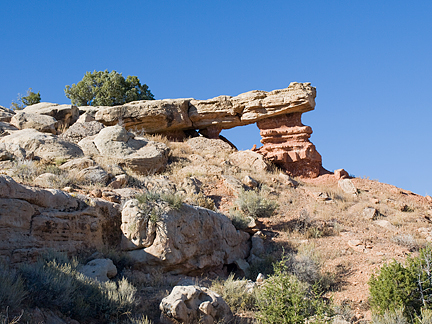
(286, 143)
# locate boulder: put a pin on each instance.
(6, 114)
(93, 175)
(10, 151)
(80, 163)
(370, 213)
(34, 221)
(6, 129)
(46, 180)
(209, 145)
(121, 147)
(341, 174)
(43, 146)
(151, 116)
(194, 304)
(248, 160)
(41, 123)
(64, 114)
(99, 269)
(78, 131)
(190, 241)
(347, 186)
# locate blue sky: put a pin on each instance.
(370, 61)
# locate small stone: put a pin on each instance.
(347, 186)
(260, 278)
(370, 213)
(341, 174)
(249, 181)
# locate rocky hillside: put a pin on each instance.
(148, 192)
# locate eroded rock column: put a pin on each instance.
(286, 143)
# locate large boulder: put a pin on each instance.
(138, 154)
(193, 305)
(248, 160)
(41, 123)
(33, 221)
(65, 114)
(6, 114)
(209, 145)
(43, 146)
(6, 129)
(78, 131)
(149, 115)
(191, 240)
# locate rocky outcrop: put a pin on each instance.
(286, 143)
(223, 112)
(79, 131)
(194, 304)
(34, 220)
(6, 114)
(277, 114)
(119, 146)
(42, 146)
(191, 240)
(41, 123)
(65, 114)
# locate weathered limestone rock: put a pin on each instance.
(189, 241)
(43, 146)
(226, 112)
(78, 131)
(80, 163)
(6, 114)
(347, 186)
(41, 123)
(100, 269)
(194, 304)
(65, 114)
(10, 151)
(138, 154)
(248, 160)
(152, 116)
(209, 145)
(6, 129)
(93, 175)
(33, 220)
(286, 142)
(223, 112)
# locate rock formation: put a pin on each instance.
(119, 146)
(286, 142)
(189, 241)
(34, 220)
(194, 304)
(277, 114)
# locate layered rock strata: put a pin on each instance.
(211, 115)
(34, 220)
(286, 142)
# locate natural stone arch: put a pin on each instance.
(277, 114)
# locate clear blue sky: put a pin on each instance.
(371, 62)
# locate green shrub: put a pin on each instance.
(407, 287)
(394, 288)
(152, 203)
(103, 88)
(283, 298)
(237, 294)
(253, 204)
(23, 101)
